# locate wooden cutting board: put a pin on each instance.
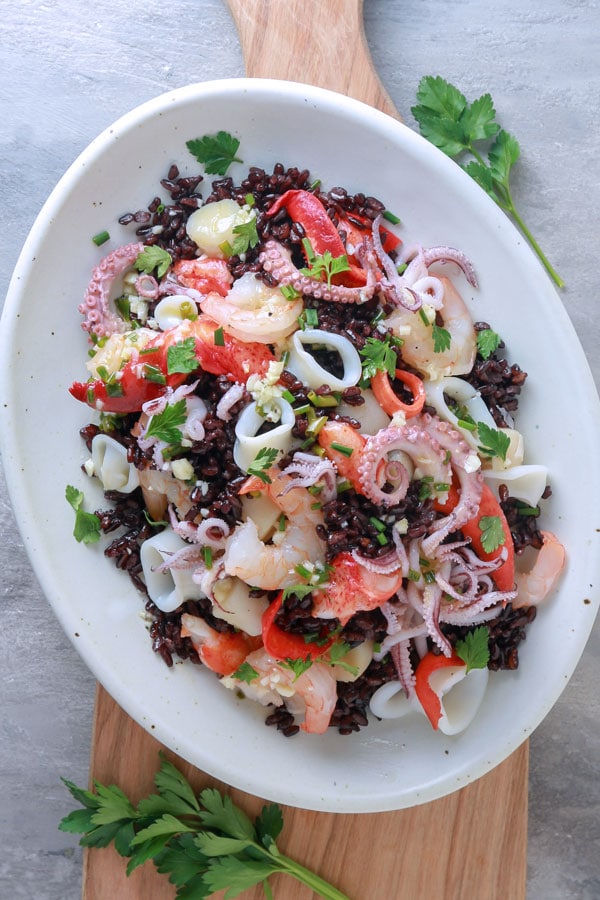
(471, 845)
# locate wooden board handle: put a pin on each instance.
(295, 40)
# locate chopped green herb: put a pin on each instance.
(219, 337)
(155, 523)
(281, 523)
(165, 425)
(87, 525)
(474, 649)
(441, 338)
(245, 673)
(326, 264)
(337, 652)
(101, 238)
(249, 199)
(377, 523)
(395, 220)
(154, 374)
(493, 441)
(290, 292)
(297, 590)
(492, 533)
(423, 317)
(380, 356)
(152, 258)
(216, 152)
(246, 237)
(341, 448)
(487, 342)
(287, 395)
(323, 400)
(297, 666)
(447, 120)
(208, 557)
(181, 357)
(263, 460)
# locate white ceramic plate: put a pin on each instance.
(388, 765)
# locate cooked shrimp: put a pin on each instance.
(351, 587)
(221, 652)
(418, 341)
(535, 585)
(204, 275)
(252, 311)
(272, 566)
(313, 693)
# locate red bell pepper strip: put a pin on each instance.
(504, 576)
(390, 402)
(306, 209)
(429, 699)
(145, 379)
(282, 644)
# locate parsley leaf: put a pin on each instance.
(181, 357)
(152, 258)
(164, 426)
(492, 533)
(87, 525)
(456, 127)
(337, 652)
(245, 672)
(474, 649)
(216, 152)
(441, 338)
(203, 843)
(493, 441)
(326, 264)
(263, 460)
(297, 666)
(379, 356)
(487, 342)
(246, 236)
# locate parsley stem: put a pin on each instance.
(310, 879)
(538, 250)
(267, 890)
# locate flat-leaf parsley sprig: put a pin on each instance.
(455, 126)
(203, 842)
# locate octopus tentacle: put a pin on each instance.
(99, 318)
(418, 444)
(466, 465)
(276, 260)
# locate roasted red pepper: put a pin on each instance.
(504, 577)
(429, 699)
(306, 209)
(282, 644)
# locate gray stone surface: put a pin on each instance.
(68, 70)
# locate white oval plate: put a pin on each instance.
(388, 765)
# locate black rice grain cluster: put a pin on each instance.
(498, 382)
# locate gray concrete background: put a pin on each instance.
(68, 70)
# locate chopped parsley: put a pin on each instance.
(441, 338)
(245, 673)
(152, 258)
(487, 342)
(263, 460)
(297, 666)
(493, 441)
(474, 649)
(181, 357)
(325, 265)
(246, 236)
(87, 525)
(216, 152)
(492, 533)
(337, 652)
(165, 426)
(380, 356)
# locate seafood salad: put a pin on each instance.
(310, 453)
